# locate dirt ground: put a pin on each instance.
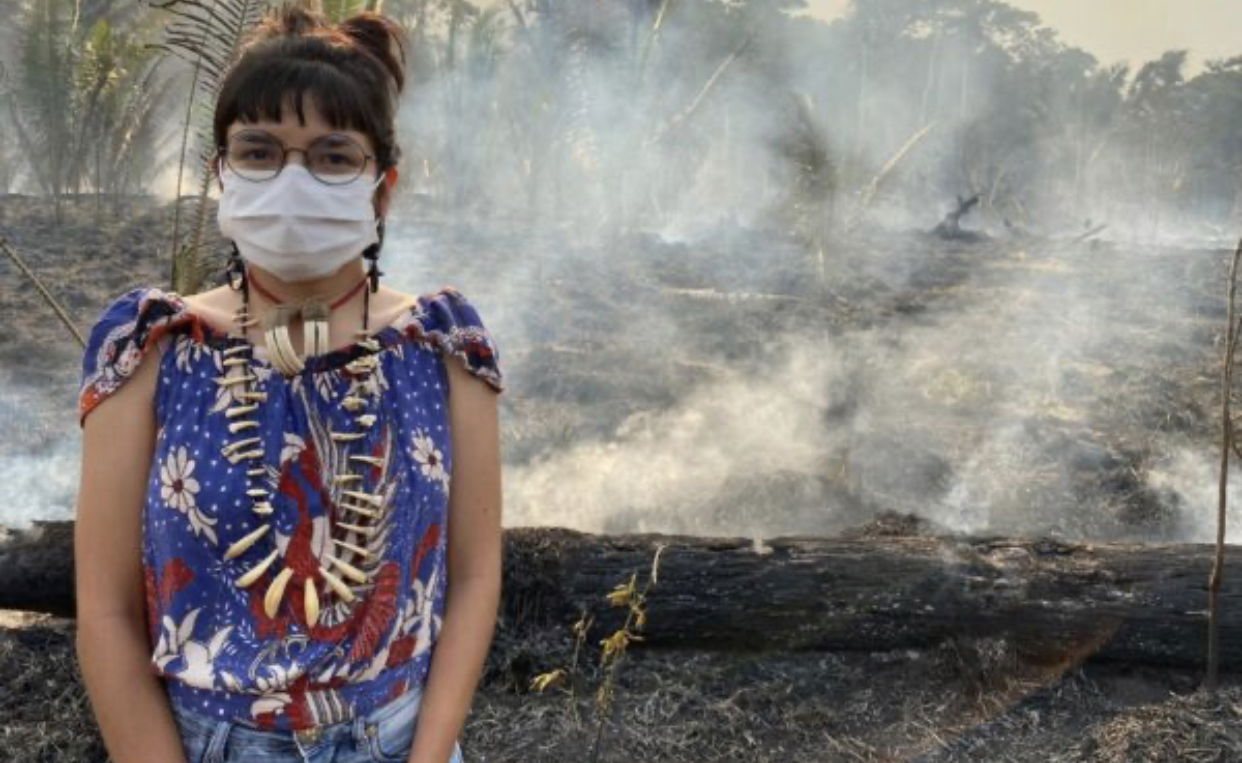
(961, 701)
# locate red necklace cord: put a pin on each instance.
(335, 303)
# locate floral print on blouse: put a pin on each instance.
(215, 646)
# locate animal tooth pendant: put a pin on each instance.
(310, 598)
(315, 332)
(240, 380)
(315, 327)
(245, 542)
(279, 345)
(341, 589)
(255, 572)
(276, 592)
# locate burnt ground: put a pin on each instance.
(1089, 431)
(960, 701)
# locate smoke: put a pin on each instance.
(1029, 393)
(672, 470)
(579, 177)
(39, 454)
(1191, 475)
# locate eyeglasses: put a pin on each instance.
(258, 155)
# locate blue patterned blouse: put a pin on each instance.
(283, 592)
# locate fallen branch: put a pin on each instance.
(1056, 601)
(47, 295)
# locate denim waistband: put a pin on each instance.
(278, 739)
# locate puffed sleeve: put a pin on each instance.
(124, 332)
(454, 325)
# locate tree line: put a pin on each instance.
(637, 110)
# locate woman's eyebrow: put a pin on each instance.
(335, 137)
(252, 134)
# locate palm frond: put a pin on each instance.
(338, 10)
(208, 35)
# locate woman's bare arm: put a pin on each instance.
(474, 567)
(113, 648)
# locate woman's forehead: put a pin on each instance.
(289, 128)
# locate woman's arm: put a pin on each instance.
(474, 566)
(113, 648)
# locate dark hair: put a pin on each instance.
(354, 71)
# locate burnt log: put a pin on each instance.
(950, 228)
(36, 568)
(1055, 600)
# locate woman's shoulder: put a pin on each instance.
(139, 301)
(123, 333)
(451, 321)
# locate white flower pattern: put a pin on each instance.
(429, 459)
(188, 352)
(198, 658)
(178, 490)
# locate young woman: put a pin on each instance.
(282, 475)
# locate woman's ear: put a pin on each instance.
(390, 180)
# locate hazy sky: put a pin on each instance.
(1130, 30)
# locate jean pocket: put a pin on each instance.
(194, 739)
(391, 738)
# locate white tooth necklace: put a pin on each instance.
(360, 402)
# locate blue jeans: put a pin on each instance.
(384, 735)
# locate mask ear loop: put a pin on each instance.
(235, 273)
(371, 254)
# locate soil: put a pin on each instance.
(961, 701)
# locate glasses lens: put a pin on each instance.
(336, 159)
(254, 155)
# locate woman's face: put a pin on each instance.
(294, 135)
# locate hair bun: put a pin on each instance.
(383, 38)
(289, 19)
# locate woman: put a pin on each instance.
(265, 526)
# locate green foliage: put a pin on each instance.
(40, 103)
(337, 10)
(86, 103)
(206, 34)
(121, 99)
(626, 112)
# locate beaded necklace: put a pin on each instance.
(361, 400)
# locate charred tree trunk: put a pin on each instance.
(951, 226)
(1058, 601)
(36, 568)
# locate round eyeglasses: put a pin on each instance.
(258, 155)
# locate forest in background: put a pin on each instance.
(638, 112)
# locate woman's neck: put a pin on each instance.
(326, 288)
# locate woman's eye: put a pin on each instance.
(342, 161)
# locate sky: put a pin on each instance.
(1135, 31)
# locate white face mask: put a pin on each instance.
(294, 226)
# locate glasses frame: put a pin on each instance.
(223, 153)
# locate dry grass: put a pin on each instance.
(1194, 728)
(957, 702)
